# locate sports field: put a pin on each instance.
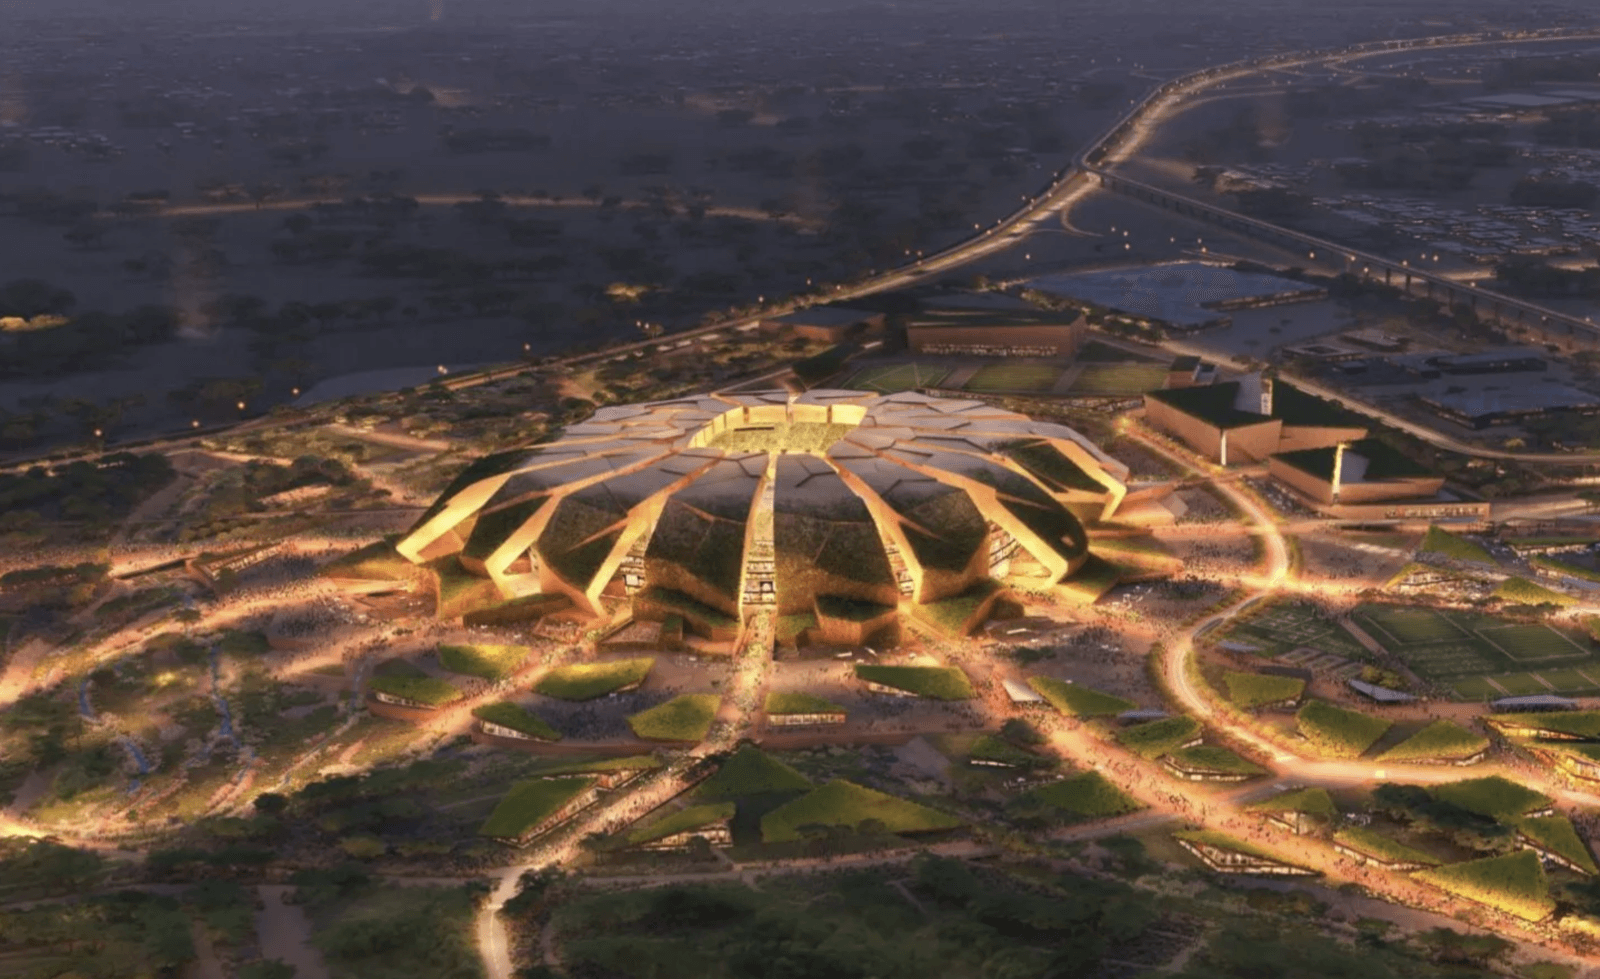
(1481, 657)
(1111, 380)
(894, 378)
(1004, 378)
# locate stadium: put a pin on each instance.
(849, 506)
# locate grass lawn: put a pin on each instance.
(1312, 802)
(517, 718)
(1126, 380)
(1571, 680)
(397, 678)
(492, 663)
(1441, 541)
(1249, 690)
(994, 749)
(1492, 796)
(1520, 684)
(1442, 740)
(586, 681)
(1514, 883)
(684, 718)
(1408, 626)
(1075, 700)
(530, 803)
(1087, 796)
(1004, 378)
(933, 682)
(1559, 836)
(893, 378)
(1210, 758)
(1375, 844)
(1475, 688)
(1222, 841)
(841, 803)
(1580, 724)
(682, 821)
(1338, 732)
(751, 771)
(1156, 738)
(799, 703)
(1521, 591)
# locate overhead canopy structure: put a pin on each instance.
(842, 503)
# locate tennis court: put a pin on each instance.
(894, 378)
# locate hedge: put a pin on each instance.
(1075, 700)
(1338, 732)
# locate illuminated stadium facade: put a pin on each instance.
(844, 504)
